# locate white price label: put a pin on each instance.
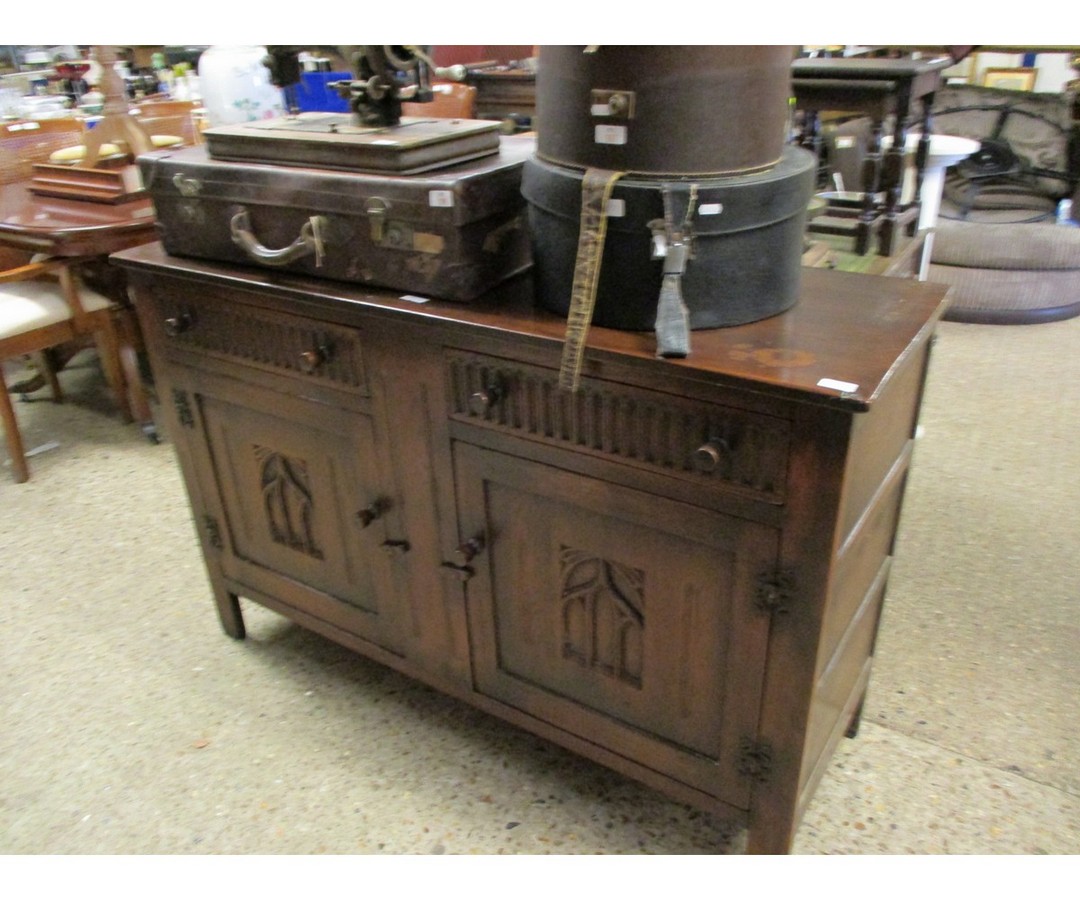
(610, 134)
(845, 387)
(441, 198)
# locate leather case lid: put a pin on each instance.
(456, 195)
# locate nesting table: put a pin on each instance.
(878, 88)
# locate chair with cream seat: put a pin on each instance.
(177, 118)
(42, 302)
(42, 305)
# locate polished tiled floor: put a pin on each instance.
(132, 725)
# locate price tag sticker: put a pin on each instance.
(443, 199)
(610, 134)
(845, 387)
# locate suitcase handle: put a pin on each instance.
(309, 241)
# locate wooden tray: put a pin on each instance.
(99, 185)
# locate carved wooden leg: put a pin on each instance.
(922, 154)
(810, 139)
(892, 182)
(871, 182)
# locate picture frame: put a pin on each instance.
(964, 71)
(1019, 78)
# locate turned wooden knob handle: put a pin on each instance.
(310, 360)
(710, 455)
(178, 324)
(486, 398)
(369, 514)
(466, 552)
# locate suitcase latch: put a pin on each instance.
(187, 185)
(376, 209)
(612, 104)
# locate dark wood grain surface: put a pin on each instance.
(847, 327)
(71, 227)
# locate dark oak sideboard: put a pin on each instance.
(676, 572)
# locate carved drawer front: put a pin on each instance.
(263, 339)
(702, 442)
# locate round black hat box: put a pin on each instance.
(747, 247)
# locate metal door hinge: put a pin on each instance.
(774, 592)
(213, 532)
(183, 408)
(755, 760)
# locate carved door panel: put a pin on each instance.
(304, 511)
(623, 617)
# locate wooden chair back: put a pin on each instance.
(25, 142)
(175, 117)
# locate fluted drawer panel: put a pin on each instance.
(265, 339)
(704, 442)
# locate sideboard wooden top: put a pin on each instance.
(836, 346)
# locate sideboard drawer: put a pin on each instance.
(270, 340)
(703, 443)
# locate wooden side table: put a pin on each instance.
(878, 88)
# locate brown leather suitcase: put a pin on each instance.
(663, 111)
(449, 234)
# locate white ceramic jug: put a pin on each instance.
(235, 85)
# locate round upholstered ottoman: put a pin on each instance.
(1008, 273)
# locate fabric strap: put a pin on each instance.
(596, 188)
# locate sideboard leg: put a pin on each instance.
(232, 618)
(856, 719)
(769, 841)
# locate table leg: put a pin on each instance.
(129, 339)
(871, 182)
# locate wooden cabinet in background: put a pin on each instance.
(677, 571)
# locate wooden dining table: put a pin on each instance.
(84, 228)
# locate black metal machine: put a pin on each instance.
(386, 76)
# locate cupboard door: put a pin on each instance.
(304, 510)
(624, 618)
